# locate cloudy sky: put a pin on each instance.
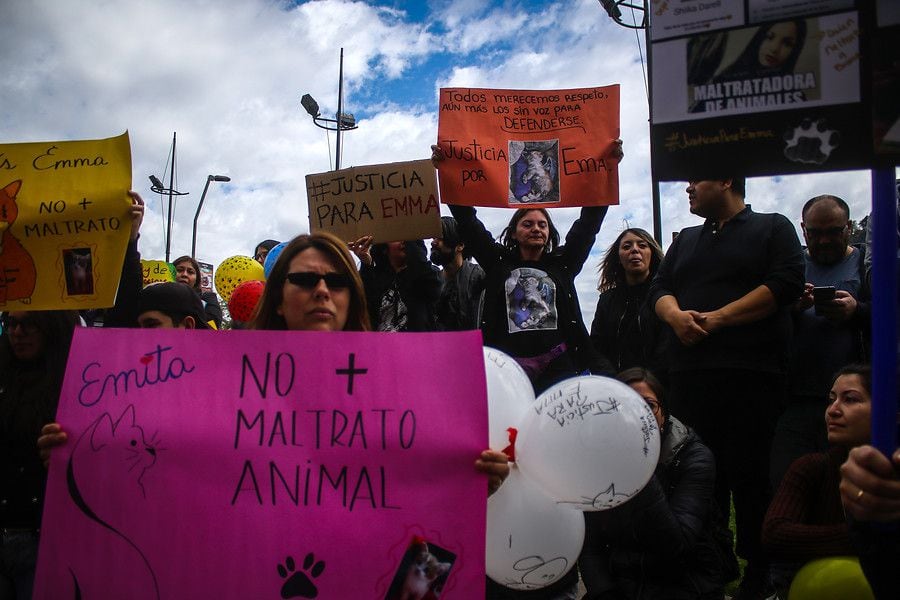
(227, 76)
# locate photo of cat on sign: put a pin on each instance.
(79, 267)
(533, 171)
(422, 573)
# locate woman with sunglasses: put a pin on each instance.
(34, 347)
(665, 542)
(314, 285)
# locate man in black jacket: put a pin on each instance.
(725, 289)
(457, 306)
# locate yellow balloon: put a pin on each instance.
(234, 271)
(835, 578)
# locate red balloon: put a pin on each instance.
(244, 299)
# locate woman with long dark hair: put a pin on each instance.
(806, 519)
(187, 270)
(773, 50)
(626, 330)
(531, 308)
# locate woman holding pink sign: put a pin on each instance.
(314, 285)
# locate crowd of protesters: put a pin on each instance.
(738, 339)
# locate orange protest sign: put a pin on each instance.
(509, 148)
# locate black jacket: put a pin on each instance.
(561, 267)
(419, 285)
(626, 330)
(661, 543)
(28, 400)
(457, 307)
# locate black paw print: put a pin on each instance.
(298, 584)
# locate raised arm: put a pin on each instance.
(475, 236)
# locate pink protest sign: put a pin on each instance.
(267, 465)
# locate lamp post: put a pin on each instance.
(342, 121)
(209, 178)
(612, 8)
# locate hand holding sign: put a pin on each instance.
(508, 148)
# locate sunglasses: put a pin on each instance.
(8, 324)
(309, 280)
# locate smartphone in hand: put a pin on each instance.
(822, 296)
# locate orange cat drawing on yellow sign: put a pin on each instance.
(17, 273)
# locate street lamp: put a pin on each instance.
(342, 121)
(612, 8)
(209, 178)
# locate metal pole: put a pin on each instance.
(340, 111)
(209, 178)
(654, 181)
(171, 187)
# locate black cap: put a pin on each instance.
(174, 298)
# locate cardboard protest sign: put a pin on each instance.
(157, 271)
(512, 148)
(64, 223)
(293, 465)
(395, 201)
(762, 88)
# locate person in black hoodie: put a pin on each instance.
(626, 330)
(402, 287)
(665, 542)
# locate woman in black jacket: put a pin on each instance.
(626, 330)
(666, 542)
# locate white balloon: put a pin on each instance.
(509, 394)
(531, 541)
(590, 442)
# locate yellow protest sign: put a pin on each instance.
(64, 223)
(394, 201)
(157, 271)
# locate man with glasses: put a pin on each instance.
(831, 329)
